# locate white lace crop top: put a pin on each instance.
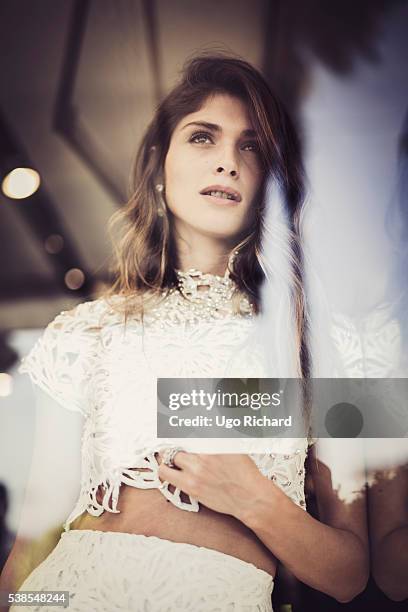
(90, 361)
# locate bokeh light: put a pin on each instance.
(6, 384)
(54, 243)
(21, 183)
(74, 279)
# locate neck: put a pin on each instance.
(204, 253)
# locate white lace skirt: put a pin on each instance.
(115, 571)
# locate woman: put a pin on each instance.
(159, 529)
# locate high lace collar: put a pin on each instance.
(186, 303)
(219, 288)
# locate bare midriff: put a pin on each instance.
(147, 512)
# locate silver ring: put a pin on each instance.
(169, 454)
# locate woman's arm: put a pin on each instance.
(51, 491)
(330, 555)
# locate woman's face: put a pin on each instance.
(212, 150)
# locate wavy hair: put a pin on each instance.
(145, 255)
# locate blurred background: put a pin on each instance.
(80, 80)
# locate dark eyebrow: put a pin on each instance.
(217, 128)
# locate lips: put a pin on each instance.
(221, 191)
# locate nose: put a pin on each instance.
(228, 165)
(232, 173)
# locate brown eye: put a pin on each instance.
(201, 138)
(251, 146)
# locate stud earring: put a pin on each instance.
(232, 260)
(161, 210)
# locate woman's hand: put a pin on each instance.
(225, 483)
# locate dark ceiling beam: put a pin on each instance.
(149, 10)
(67, 119)
(278, 65)
(72, 57)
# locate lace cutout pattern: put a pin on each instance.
(61, 360)
(370, 346)
(148, 574)
(91, 362)
(287, 471)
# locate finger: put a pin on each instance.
(180, 459)
(174, 477)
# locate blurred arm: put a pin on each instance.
(388, 512)
(52, 488)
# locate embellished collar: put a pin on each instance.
(215, 300)
(219, 288)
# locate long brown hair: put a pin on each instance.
(146, 256)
